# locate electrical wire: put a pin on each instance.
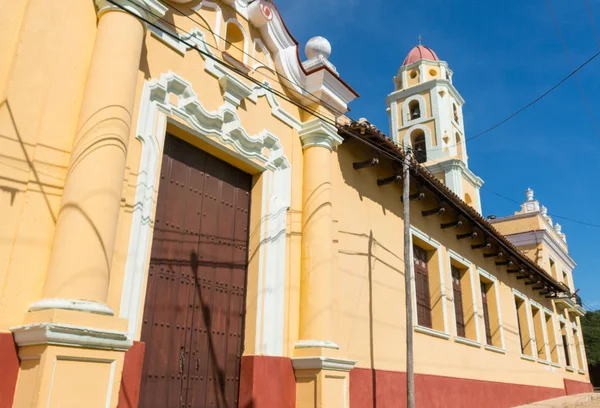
(311, 111)
(253, 80)
(562, 217)
(589, 10)
(579, 85)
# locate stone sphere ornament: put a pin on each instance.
(318, 47)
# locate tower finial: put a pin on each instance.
(420, 39)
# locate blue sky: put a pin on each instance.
(503, 54)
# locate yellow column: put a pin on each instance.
(78, 273)
(321, 375)
(60, 350)
(316, 285)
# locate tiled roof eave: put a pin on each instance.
(377, 139)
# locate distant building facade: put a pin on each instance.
(190, 220)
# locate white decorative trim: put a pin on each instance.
(426, 86)
(219, 129)
(428, 137)
(315, 132)
(450, 164)
(430, 241)
(322, 363)
(300, 344)
(432, 332)
(72, 304)
(258, 42)
(276, 109)
(218, 19)
(496, 284)
(581, 371)
(111, 381)
(570, 368)
(71, 336)
(467, 341)
(495, 349)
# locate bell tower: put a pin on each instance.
(426, 113)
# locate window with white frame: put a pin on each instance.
(428, 285)
(490, 303)
(551, 332)
(564, 335)
(539, 329)
(463, 296)
(522, 315)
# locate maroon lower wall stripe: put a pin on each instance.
(379, 388)
(267, 382)
(9, 369)
(129, 394)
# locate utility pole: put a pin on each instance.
(410, 372)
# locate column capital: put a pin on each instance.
(315, 132)
(150, 10)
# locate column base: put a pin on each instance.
(322, 381)
(69, 359)
(71, 304)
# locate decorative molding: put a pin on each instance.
(219, 129)
(70, 336)
(322, 363)
(276, 109)
(244, 34)
(300, 344)
(426, 86)
(151, 10)
(234, 90)
(315, 132)
(541, 236)
(72, 304)
(216, 31)
(458, 164)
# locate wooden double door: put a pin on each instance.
(193, 319)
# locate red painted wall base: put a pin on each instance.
(378, 388)
(129, 394)
(267, 382)
(9, 369)
(577, 387)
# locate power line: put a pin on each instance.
(316, 114)
(579, 85)
(589, 10)
(562, 217)
(315, 98)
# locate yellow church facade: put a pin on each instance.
(190, 220)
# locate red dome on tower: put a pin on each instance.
(418, 53)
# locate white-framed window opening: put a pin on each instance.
(524, 325)
(464, 300)
(489, 295)
(429, 297)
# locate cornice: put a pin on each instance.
(322, 363)
(150, 10)
(70, 335)
(425, 86)
(315, 132)
(456, 164)
(544, 236)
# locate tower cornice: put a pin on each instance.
(425, 86)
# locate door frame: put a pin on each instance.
(156, 113)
